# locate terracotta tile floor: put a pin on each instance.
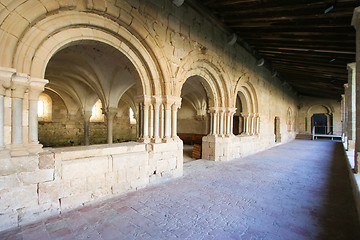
(294, 191)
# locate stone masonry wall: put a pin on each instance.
(34, 187)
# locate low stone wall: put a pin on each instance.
(57, 180)
(228, 148)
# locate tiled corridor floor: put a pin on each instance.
(298, 190)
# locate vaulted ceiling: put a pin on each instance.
(307, 43)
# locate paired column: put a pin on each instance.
(158, 118)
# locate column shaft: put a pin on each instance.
(33, 121)
(17, 106)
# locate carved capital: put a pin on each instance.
(19, 85)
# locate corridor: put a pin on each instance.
(299, 190)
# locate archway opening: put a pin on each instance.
(85, 74)
(193, 116)
(319, 123)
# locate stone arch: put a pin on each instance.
(320, 109)
(248, 90)
(246, 119)
(49, 35)
(207, 67)
(328, 110)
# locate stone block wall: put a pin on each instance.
(37, 186)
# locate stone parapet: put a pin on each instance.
(57, 180)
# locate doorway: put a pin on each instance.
(319, 123)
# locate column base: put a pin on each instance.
(35, 147)
(17, 150)
(144, 140)
(176, 138)
(156, 140)
(167, 139)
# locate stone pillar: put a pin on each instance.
(139, 123)
(157, 101)
(251, 124)
(35, 89)
(229, 121)
(221, 127)
(257, 124)
(6, 75)
(211, 123)
(356, 24)
(168, 103)
(246, 124)
(144, 106)
(214, 116)
(151, 121)
(110, 114)
(86, 116)
(350, 89)
(19, 85)
(174, 109)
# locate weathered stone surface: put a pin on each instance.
(19, 197)
(38, 176)
(10, 181)
(94, 166)
(18, 164)
(76, 200)
(46, 160)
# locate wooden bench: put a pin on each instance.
(191, 138)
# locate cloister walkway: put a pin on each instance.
(299, 190)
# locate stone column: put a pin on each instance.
(174, 109)
(110, 114)
(151, 121)
(251, 124)
(19, 85)
(168, 103)
(35, 89)
(144, 106)
(232, 123)
(5, 82)
(350, 89)
(346, 115)
(156, 104)
(211, 123)
(86, 116)
(356, 24)
(229, 121)
(246, 124)
(214, 116)
(257, 124)
(139, 124)
(221, 127)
